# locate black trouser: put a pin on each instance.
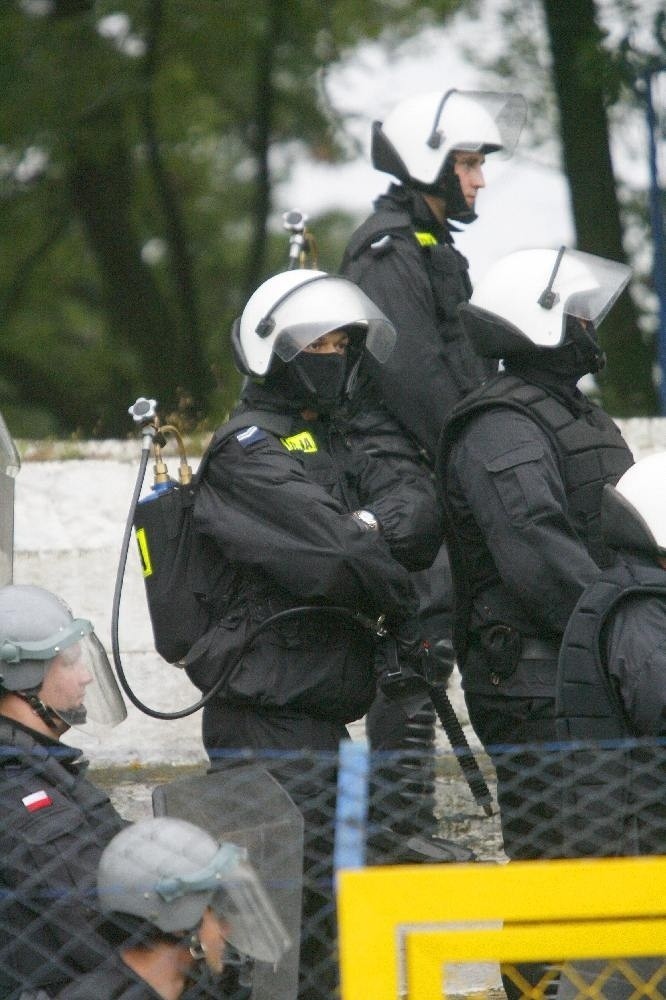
(310, 780)
(402, 736)
(526, 783)
(403, 794)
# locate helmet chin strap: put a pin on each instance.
(44, 712)
(449, 188)
(196, 948)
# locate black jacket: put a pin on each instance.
(406, 263)
(612, 674)
(54, 825)
(278, 508)
(612, 693)
(521, 547)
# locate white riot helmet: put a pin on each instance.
(38, 638)
(167, 872)
(291, 310)
(633, 512)
(525, 299)
(416, 139)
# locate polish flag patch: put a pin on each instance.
(37, 800)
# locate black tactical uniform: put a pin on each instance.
(612, 688)
(523, 464)
(406, 262)
(611, 695)
(278, 504)
(54, 825)
(277, 499)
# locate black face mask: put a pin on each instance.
(581, 353)
(320, 379)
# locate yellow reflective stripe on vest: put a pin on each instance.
(426, 239)
(300, 442)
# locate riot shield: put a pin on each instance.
(243, 803)
(9, 467)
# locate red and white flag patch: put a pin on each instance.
(37, 800)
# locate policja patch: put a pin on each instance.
(300, 442)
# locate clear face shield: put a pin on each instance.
(341, 304)
(584, 286)
(479, 121)
(79, 685)
(239, 898)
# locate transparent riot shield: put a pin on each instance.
(243, 803)
(9, 467)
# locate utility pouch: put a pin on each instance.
(502, 647)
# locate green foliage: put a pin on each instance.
(578, 64)
(136, 171)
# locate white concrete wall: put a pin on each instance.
(69, 521)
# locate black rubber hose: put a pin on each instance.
(463, 751)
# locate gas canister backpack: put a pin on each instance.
(179, 565)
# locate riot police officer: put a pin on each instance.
(404, 258)
(612, 675)
(54, 823)
(611, 701)
(172, 900)
(298, 517)
(523, 462)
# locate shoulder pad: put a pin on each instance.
(250, 437)
(381, 246)
(382, 225)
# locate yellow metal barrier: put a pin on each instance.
(401, 926)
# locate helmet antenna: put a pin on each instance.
(434, 140)
(548, 297)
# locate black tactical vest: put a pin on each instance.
(588, 707)
(590, 451)
(611, 795)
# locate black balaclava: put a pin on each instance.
(318, 380)
(580, 354)
(559, 369)
(310, 381)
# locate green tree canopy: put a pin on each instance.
(138, 155)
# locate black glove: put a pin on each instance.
(402, 666)
(441, 662)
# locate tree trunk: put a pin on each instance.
(575, 41)
(264, 104)
(187, 351)
(138, 319)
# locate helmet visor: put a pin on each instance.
(255, 928)
(79, 685)
(340, 304)
(506, 111)
(588, 285)
(238, 897)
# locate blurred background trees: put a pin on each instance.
(141, 142)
